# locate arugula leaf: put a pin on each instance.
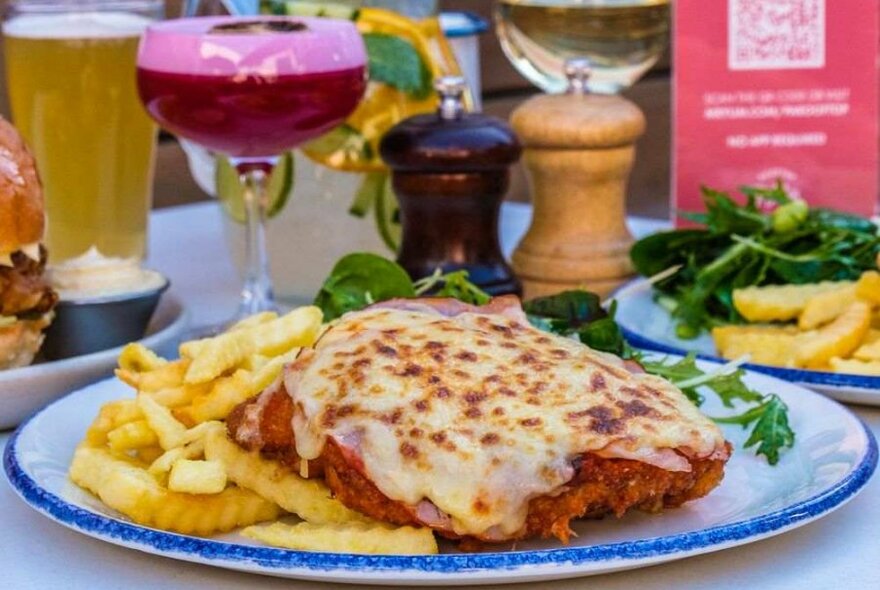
(747, 244)
(725, 216)
(730, 387)
(360, 279)
(454, 284)
(396, 62)
(679, 372)
(771, 432)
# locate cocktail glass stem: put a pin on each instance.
(256, 292)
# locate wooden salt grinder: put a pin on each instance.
(450, 171)
(579, 151)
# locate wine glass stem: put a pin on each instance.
(256, 292)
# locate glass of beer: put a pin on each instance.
(70, 67)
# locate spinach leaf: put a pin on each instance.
(657, 252)
(579, 313)
(360, 279)
(568, 310)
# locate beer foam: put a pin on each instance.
(188, 46)
(85, 25)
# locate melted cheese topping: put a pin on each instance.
(480, 413)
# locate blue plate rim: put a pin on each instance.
(186, 547)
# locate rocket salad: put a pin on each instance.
(770, 239)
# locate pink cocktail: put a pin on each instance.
(251, 89)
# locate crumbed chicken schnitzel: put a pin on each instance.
(469, 421)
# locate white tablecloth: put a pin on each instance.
(841, 550)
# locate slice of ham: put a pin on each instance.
(508, 306)
(663, 458)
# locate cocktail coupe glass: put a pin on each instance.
(251, 89)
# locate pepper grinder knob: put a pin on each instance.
(578, 70)
(451, 90)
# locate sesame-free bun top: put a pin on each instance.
(21, 194)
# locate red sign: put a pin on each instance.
(777, 89)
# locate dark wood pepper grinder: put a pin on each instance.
(450, 171)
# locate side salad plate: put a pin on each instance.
(646, 324)
(832, 460)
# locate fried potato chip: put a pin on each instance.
(148, 455)
(856, 367)
(132, 435)
(137, 358)
(370, 539)
(194, 348)
(825, 307)
(162, 464)
(766, 345)
(224, 395)
(869, 350)
(168, 429)
(168, 375)
(868, 287)
(779, 303)
(837, 339)
(257, 319)
(228, 392)
(307, 498)
(197, 477)
(174, 397)
(112, 415)
(124, 487)
(226, 351)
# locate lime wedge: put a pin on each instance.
(230, 189)
(388, 215)
(368, 193)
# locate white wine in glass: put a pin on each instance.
(621, 38)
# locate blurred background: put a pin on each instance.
(503, 89)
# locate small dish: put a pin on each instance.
(87, 325)
(27, 389)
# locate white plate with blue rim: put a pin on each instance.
(647, 325)
(833, 458)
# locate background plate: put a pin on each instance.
(647, 325)
(24, 391)
(833, 459)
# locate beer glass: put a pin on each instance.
(70, 68)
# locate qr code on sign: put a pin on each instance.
(775, 34)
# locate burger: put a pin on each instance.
(26, 299)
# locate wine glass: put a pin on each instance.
(251, 89)
(621, 39)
